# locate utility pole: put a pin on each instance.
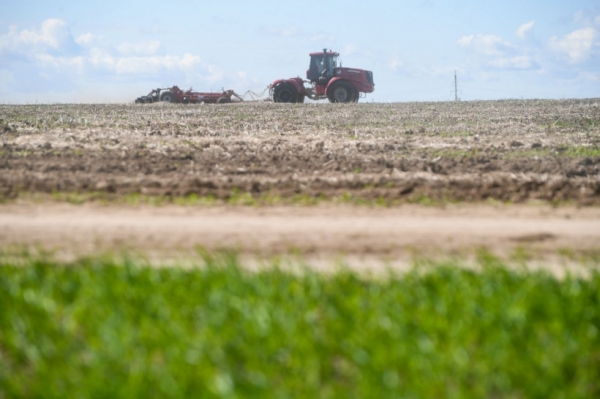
(455, 86)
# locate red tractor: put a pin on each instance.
(327, 80)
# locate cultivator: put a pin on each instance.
(176, 95)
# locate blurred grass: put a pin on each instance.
(235, 198)
(106, 327)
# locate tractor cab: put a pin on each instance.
(322, 65)
(328, 81)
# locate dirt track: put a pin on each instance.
(323, 231)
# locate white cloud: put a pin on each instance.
(493, 51)
(49, 60)
(86, 39)
(100, 58)
(395, 64)
(55, 32)
(588, 18)
(488, 45)
(356, 52)
(215, 74)
(61, 63)
(572, 57)
(518, 62)
(281, 32)
(155, 64)
(141, 65)
(51, 48)
(138, 65)
(408, 69)
(349, 49)
(591, 76)
(144, 48)
(442, 71)
(577, 45)
(53, 36)
(525, 29)
(323, 38)
(488, 76)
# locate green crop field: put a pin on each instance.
(119, 328)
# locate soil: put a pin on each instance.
(510, 151)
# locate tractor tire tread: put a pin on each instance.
(288, 91)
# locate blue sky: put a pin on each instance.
(113, 51)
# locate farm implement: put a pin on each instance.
(176, 95)
(325, 79)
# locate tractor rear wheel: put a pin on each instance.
(285, 93)
(341, 92)
(167, 96)
(223, 100)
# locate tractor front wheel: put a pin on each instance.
(167, 97)
(341, 92)
(285, 93)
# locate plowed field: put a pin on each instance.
(504, 150)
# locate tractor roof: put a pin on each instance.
(323, 52)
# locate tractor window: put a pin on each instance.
(331, 64)
(315, 68)
(334, 62)
(320, 64)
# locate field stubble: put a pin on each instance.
(510, 151)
